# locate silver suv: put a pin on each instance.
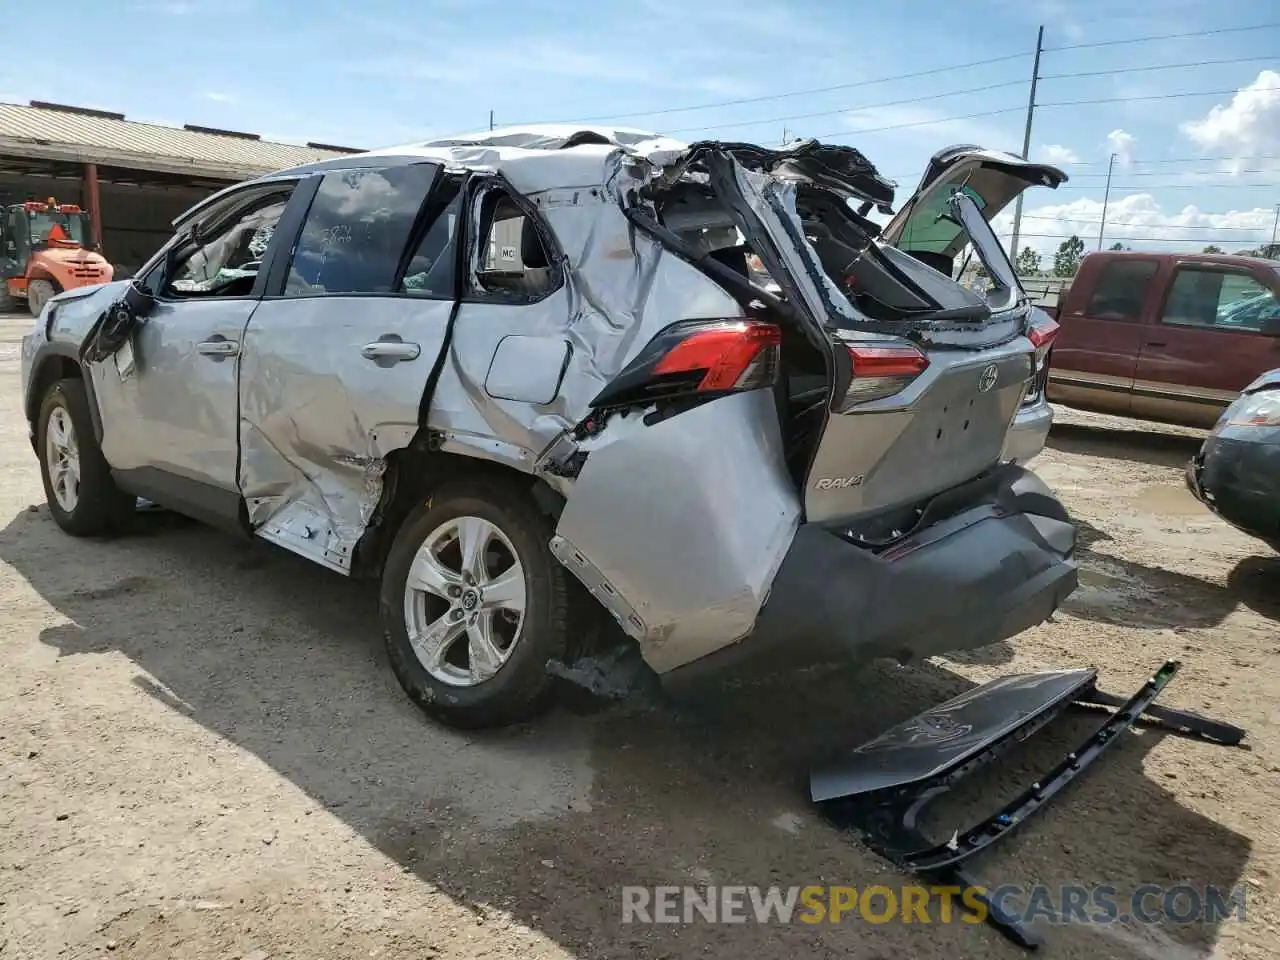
(529, 381)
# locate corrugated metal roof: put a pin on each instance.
(65, 134)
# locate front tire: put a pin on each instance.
(39, 292)
(474, 605)
(83, 498)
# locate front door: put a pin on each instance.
(168, 396)
(338, 357)
(1215, 333)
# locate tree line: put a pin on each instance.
(1066, 259)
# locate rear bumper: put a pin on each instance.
(1001, 563)
(1239, 480)
(1029, 432)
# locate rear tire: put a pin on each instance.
(477, 659)
(83, 498)
(39, 292)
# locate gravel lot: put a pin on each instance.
(203, 754)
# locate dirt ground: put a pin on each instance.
(204, 755)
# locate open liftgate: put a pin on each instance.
(879, 791)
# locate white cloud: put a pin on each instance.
(1246, 127)
(217, 97)
(1121, 143)
(1139, 221)
(1057, 153)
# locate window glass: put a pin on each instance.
(1218, 298)
(226, 262)
(430, 271)
(513, 262)
(357, 229)
(1121, 290)
(931, 228)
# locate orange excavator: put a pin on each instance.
(46, 248)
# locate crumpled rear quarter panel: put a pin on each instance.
(678, 528)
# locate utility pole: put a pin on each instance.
(785, 136)
(1026, 141)
(490, 119)
(1106, 198)
(1275, 223)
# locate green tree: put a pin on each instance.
(1066, 261)
(1028, 264)
(1117, 246)
(1213, 248)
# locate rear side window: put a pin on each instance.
(1225, 299)
(357, 229)
(1121, 290)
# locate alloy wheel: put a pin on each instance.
(62, 459)
(464, 601)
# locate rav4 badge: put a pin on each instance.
(839, 483)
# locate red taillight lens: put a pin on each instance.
(735, 355)
(881, 370)
(1043, 332)
(695, 357)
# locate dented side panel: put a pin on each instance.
(321, 407)
(679, 527)
(620, 289)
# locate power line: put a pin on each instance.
(1167, 36)
(869, 106)
(1153, 67)
(801, 93)
(1094, 163)
(1122, 223)
(1153, 96)
(1063, 236)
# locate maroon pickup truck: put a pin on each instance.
(1164, 336)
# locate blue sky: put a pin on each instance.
(388, 71)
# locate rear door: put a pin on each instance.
(1103, 319)
(1214, 333)
(336, 360)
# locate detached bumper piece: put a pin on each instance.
(879, 791)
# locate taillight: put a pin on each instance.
(881, 369)
(698, 357)
(1042, 331)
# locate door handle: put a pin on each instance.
(218, 347)
(390, 351)
(1156, 343)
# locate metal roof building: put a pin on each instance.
(132, 177)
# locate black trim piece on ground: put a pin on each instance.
(887, 818)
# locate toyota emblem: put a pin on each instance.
(988, 378)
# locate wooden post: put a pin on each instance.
(93, 201)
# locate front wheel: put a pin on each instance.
(83, 498)
(474, 605)
(39, 292)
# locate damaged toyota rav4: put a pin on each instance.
(528, 381)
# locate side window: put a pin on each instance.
(432, 267)
(230, 251)
(1229, 300)
(512, 263)
(1121, 290)
(357, 229)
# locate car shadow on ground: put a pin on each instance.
(1125, 592)
(709, 790)
(1144, 446)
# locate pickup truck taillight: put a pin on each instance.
(698, 357)
(880, 370)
